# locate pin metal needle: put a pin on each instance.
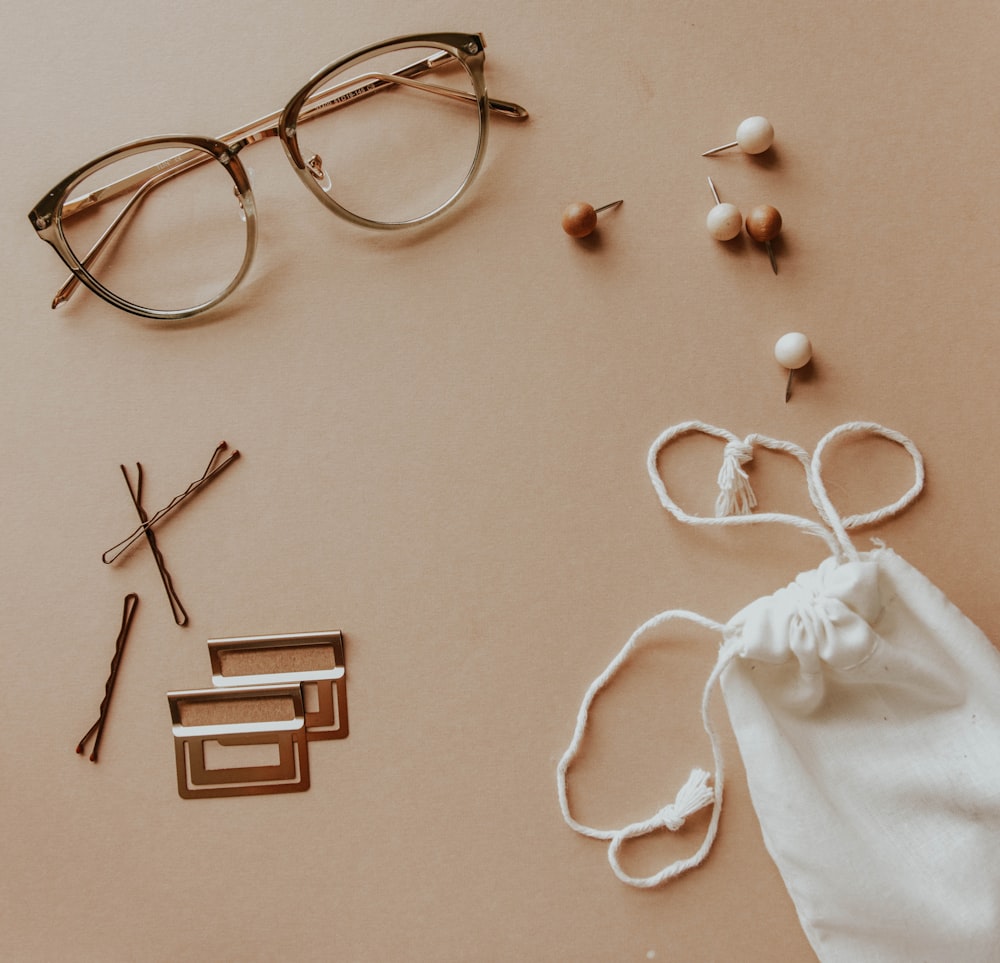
(792, 351)
(764, 225)
(579, 219)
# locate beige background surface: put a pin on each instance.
(444, 439)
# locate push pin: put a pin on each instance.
(753, 136)
(724, 221)
(764, 225)
(792, 351)
(580, 219)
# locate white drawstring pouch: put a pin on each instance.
(866, 708)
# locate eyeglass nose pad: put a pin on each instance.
(239, 199)
(315, 165)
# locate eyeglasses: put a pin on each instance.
(165, 246)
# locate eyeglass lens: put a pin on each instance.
(182, 235)
(387, 150)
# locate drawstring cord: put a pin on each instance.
(736, 497)
(820, 498)
(695, 795)
(734, 505)
(740, 452)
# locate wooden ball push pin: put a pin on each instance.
(580, 218)
(753, 136)
(724, 221)
(764, 225)
(792, 351)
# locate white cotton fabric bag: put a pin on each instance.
(867, 711)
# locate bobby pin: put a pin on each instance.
(180, 616)
(210, 472)
(128, 610)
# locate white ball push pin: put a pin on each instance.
(792, 351)
(724, 221)
(754, 136)
(579, 219)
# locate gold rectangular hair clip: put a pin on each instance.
(239, 741)
(314, 660)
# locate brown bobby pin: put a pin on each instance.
(210, 472)
(180, 616)
(128, 610)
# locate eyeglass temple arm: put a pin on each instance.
(267, 126)
(314, 106)
(318, 103)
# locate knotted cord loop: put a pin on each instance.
(820, 498)
(693, 796)
(736, 500)
(688, 427)
(736, 496)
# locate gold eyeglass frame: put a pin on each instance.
(58, 204)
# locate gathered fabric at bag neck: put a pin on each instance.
(734, 506)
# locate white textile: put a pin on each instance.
(867, 711)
